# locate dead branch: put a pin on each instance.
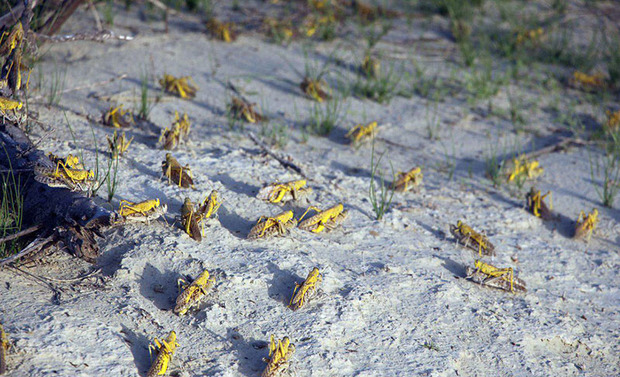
(92, 8)
(19, 234)
(286, 162)
(32, 248)
(97, 36)
(555, 147)
(65, 217)
(57, 292)
(60, 16)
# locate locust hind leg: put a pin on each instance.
(318, 210)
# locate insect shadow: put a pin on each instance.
(564, 225)
(282, 285)
(110, 261)
(438, 233)
(454, 267)
(354, 171)
(235, 224)
(250, 353)
(236, 186)
(139, 347)
(159, 287)
(286, 86)
(337, 135)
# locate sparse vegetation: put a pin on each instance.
(56, 86)
(605, 171)
(381, 87)
(380, 195)
(11, 207)
(325, 116)
(145, 105)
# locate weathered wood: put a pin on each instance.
(72, 219)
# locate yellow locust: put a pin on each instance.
(502, 278)
(328, 219)
(165, 349)
(192, 294)
(280, 354)
(305, 290)
(269, 226)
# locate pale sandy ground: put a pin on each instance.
(389, 286)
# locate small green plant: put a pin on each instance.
(493, 165)
(275, 133)
(481, 83)
(108, 12)
(468, 51)
(315, 70)
(111, 179)
(559, 49)
(380, 88)
(374, 32)
(432, 120)
(430, 345)
(380, 197)
(449, 164)
(231, 118)
(607, 165)
(613, 63)
(325, 116)
(559, 6)
(515, 110)
(145, 106)
(56, 86)
(11, 211)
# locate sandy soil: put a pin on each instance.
(393, 300)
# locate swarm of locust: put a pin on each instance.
(177, 174)
(183, 87)
(192, 294)
(118, 144)
(362, 133)
(409, 180)
(243, 110)
(271, 226)
(467, 237)
(170, 138)
(284, 192)
(165, 348)
(280, 354)
(501, 278)
(327, 219)
(537, 206)
(67, 172)
(224, 31)
(315, 89)
(304, 291)
(586, 223)
(117, 117)
(145, 211)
